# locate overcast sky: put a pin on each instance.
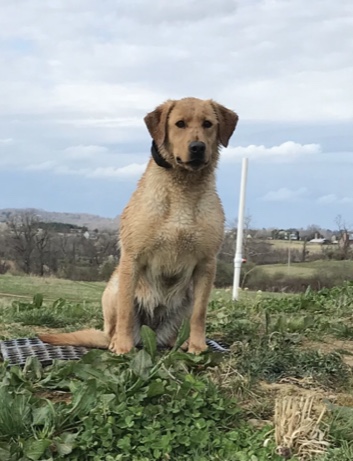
(77, 78)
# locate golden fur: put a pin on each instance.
(170, 234)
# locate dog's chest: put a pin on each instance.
(186, 233)
(180, 240)
(173, 257)
(177, 229)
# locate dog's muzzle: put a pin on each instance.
(197, 151)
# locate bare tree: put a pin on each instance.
(304, 250)
(4, 253)
(42, 245)
(67, 245)
(22, 231)
(344, 232)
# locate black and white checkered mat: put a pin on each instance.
(16, 351)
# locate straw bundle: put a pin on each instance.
(298, 428)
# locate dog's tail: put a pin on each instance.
(85, 338)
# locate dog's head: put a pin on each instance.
(188, 132)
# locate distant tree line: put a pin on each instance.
(30, 246)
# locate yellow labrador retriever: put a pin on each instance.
(170, 233)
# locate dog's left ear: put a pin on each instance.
(156, 122)
(227, 120)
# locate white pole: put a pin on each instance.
(238, 259)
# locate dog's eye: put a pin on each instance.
(207, 124)
(181, 124)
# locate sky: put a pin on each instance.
(77, 78)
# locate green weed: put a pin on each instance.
(60, 314)
(145, 406)
(174, 406)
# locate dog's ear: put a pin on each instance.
(227, 120)
(156, 122)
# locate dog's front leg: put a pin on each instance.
(123, 338)
(203, 281)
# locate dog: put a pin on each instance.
(170, 234)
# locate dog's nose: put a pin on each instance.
(197, 150)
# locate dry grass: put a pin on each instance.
(299, 429)
(312, 248)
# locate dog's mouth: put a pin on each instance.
(195, 164)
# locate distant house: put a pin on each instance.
(282, 234)
(320, 241)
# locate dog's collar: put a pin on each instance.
(162, 162)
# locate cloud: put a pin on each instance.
(77, 78)
(44, 166)
(99, 58)
(90, 161)
(84, 152)
(98, 161)
(104, 122)
(127, 172)
(330, 199)
(284, 152)
(284, 195)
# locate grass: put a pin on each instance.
(309, 268)
(297, 269)
(51, 288)
(67, 306)
(153, 405)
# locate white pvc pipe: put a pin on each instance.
(238, 259)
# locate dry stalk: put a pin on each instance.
(298, 429)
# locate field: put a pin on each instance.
(51, 288)
(296, 277)
(289, 368)
(310, 268)
(295, 245)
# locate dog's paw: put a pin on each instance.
(183, 347)
(119, 347)
(197, 348)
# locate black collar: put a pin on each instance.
(161, 161)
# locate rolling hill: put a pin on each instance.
(79, 219)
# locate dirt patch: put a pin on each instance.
(55, 396)
(329, 345)
(12, 295)
(39, 330)
(14, 331)
(306, 389)
(292, 387)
